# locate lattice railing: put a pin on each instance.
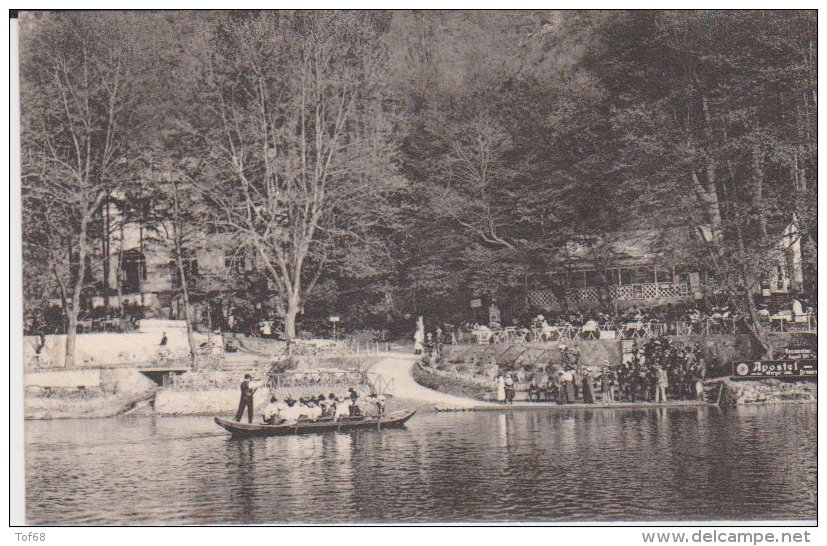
(626, 292)
(543, 299)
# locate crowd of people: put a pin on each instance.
(593, 320)
(289, 410)
(52, 320)
(332, 407)
(656, 370)
(661, 367)
(431, 344)
(639, 321)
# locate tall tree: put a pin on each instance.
(296, 126)
(710, 109)
(78, 88)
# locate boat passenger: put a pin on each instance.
(342, 408)
(354, 407)
(290, 414)
(374, 405)
(368, 405)
(271, 412)
(331, 405)
(315, 409)
(310, 410)
(321, 400)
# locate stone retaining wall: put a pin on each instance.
(106, 393)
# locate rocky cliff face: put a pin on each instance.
(764, 391)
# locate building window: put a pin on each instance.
(133, 271)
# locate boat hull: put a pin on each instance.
(391, 420)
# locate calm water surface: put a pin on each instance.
(658, 464)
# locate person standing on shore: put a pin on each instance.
(509, 388)
(662, 381)
(501, 389)
(439, 342)
(419, 339)
(567, 387)
(608, 379)
(248, 389)
(588, 387)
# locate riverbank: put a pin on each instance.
(80, 394)
(476, 390)
(111, 392)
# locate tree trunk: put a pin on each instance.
(106, 259)
(118, 284)
(71, 332)
(290, 316)
(74, 309)
(758, 191)
(747, 282)
(186, 296)
(757, 329)
(179, 260)
(290, 323)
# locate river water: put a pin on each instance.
(533, 465)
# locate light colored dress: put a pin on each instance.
(419, 338)
(501, 389)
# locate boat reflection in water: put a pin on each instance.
(563, 465)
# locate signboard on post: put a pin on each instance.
(334, 319)
(476, 303)
(765, 369)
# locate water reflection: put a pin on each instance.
(701, 463)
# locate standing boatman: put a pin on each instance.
(248, 388)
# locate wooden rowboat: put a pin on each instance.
(391, 420)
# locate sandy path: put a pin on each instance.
(398, 366)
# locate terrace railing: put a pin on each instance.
(806, 324)
(593, 295)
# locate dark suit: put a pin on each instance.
(246, 401)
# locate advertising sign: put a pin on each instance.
(476, 303)
(799, 352)
(763, 369)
